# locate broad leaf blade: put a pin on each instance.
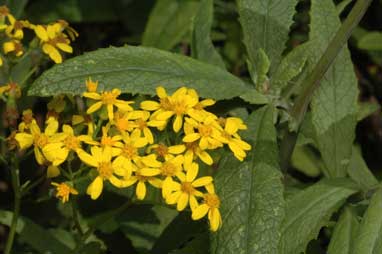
(202, 47)
(334, 104)
(344, 233)
(369, 237)
(252, 194)
(371, 41)
(309, 210)
(35, 235)
(266, 26)
(141, 70)
(169, 22)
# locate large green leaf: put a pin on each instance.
(35, 235)
(309, 210)
(251, 193)
(369, 237)
(141, 70)
(266, 26)
(371, 41)
(334, 104)
(202, 47)
(344, 233)
(169, 22)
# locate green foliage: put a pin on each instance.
(252, 191)
(371, 41)
(309, 210)
(334, 105)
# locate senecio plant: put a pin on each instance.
(175, 153)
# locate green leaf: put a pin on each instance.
(341, 6)
(365, 109)
(345, 231)
(143, 224)
(169, 22)
(141, 70)
(368, 240)
(309, 210)
(262, 69)
(266, 26)
(371, 41)
(305, 161)
(334, 104)
(360, 172)
(202, 47)
(35, 235)
(199, 245)
(252, 193)
(178, 233)
(290, 67)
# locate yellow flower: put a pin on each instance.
(27, 120)
(109, 99)
(211, 204)
(129, 152)
(164, 151)
(113, 142)
(142, 126)
(185, 192)
(230, 137)
(15, 29)
(37, 138)
(53, 39)
(124, 121)
(107, 170)
(58, 152)
(194, 151)
(198, 112)
(171, 167)
(91, 86)
(63, 191)
(209, 133)
(13, 46)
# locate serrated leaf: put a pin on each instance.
(365, 109)
(141, 70)
(35, 235)
(309, 210)
(368, 240)
(266, 25)
(360, 172)
(290, 67)
(202, 47)
(252, 193)
(344, 233)
(262, 69)
(371, 41)
(334, 104)
(169, 22)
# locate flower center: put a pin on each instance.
(109, 97)
(212, 200)
(168, 169)
(187, 187)
(129, 151)
(161, 150)
(165, 103)
(27, 118)
(205, 130)
(105, 170)
(18, 25)
(72, 142)
(192, 146)
(40, 140)
(107, 141)
(180, 108)
(141, 123)
(123, 124)
(63, 190)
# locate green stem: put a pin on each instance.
(17, 204)
(27, 188)
(312, 81)
(76, 219)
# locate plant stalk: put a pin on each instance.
(312, 81)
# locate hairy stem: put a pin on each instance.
(312, 81)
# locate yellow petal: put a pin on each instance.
(141, 190)
(148, 135)
(161, 92)
(199, 212)
(205, 157)
(25, 140)
(177, 125)
(52, 171)
(182, 202)
(192, 172)
(149, 171)
(95, 188)
(96, 106)
(52, 52)
(41, 32)
(8, 46)
(65, 47)
(150, 105)
(202, 181)
(178, 149)
(191, 137)
(87, 158)
(215, 219)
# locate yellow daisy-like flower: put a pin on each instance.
(198, 112)
(37, 138)
(185, 192)
(170, 168)
(142, 126)
(63, 191)
(113, 142)
(15, 28)
(58, 152)
(91, 86)
(109, 99)
(125, 121)
(107, 170)
(210, 206)
(193, 151)
(208, 133)
(15, 46)
(53, 39)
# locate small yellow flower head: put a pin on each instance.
(91, 86)
(210, 206)
(13, 46)
(15, 29)
(63, 191)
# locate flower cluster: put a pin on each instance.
(163, 143)
(53, 38)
